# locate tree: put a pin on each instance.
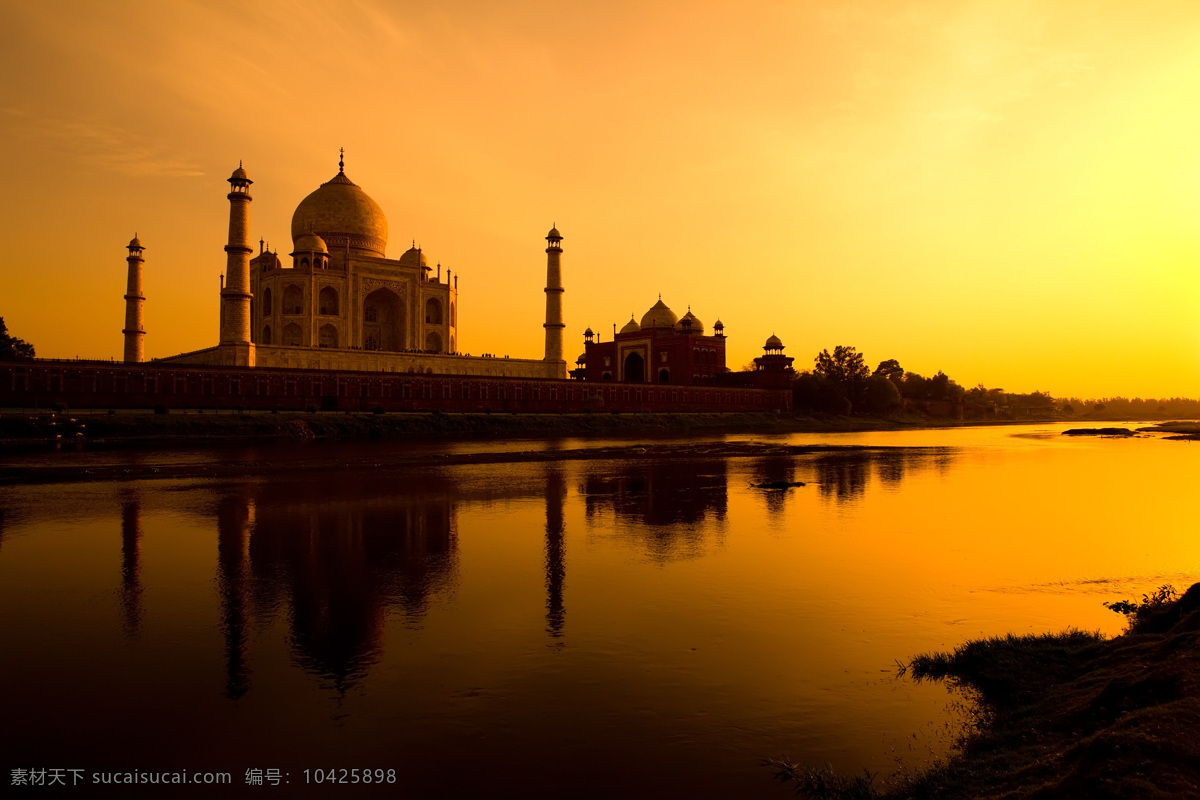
(845, 368)
(12, 348)
(891, 370)
(880, 395)
(813, 392)
(941, 388)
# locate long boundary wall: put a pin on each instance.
(78, 384)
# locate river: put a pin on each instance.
(599, 627)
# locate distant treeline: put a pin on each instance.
(841, 383)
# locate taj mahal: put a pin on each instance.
(337, 302)
(337, 325)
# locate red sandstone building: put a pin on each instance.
(662, 348)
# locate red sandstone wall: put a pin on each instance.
(43, 384)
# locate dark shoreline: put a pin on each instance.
(190, 427)
(31, 427)
(638, 436)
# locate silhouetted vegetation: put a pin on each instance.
(12, 348)
(839, 383)
(1157, 610)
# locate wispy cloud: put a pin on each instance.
(92, 144)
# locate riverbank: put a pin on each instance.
(18, 427)
(198, 426)
(1070, 715)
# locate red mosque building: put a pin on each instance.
(661, 348)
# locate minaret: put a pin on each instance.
(135, 323)
(235, 295)
(554, 292)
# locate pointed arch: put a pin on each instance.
(433, 311)
(383, 321)
(635, 368)
(327, 302)
(293, 299)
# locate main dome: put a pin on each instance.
(659, 316)
(341, 213)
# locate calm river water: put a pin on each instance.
(635, 628)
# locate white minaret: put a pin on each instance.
(554, 292)
(135, 323)
(235, 295)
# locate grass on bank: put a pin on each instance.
(1068, 715)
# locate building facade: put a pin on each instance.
(661, 348)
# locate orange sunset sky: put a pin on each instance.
(1006, 191)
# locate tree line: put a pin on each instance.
(842, 383)
(12, 348)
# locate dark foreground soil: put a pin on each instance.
(1070, 715)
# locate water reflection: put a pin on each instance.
(391, 615)
(556, 556)
(233, 533)
(131, 566)
(774, 470)
(337, 553)
(843, 477)
(666, 500)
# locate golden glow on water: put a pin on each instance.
(544, 616)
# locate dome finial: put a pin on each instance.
(341, 160)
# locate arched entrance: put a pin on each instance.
(383, 321)
(635, 368)
(433, 342)
(433, 311)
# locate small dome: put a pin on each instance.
(135, 243)
(773, 343)
(310, 243)
(718, 325)
(554, 234)
(659, 316)
(239, 174)
(631, 326)
(582, 359)
(696, 325)
(588, 332)
(413, 257)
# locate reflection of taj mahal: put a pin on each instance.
(338, 302)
